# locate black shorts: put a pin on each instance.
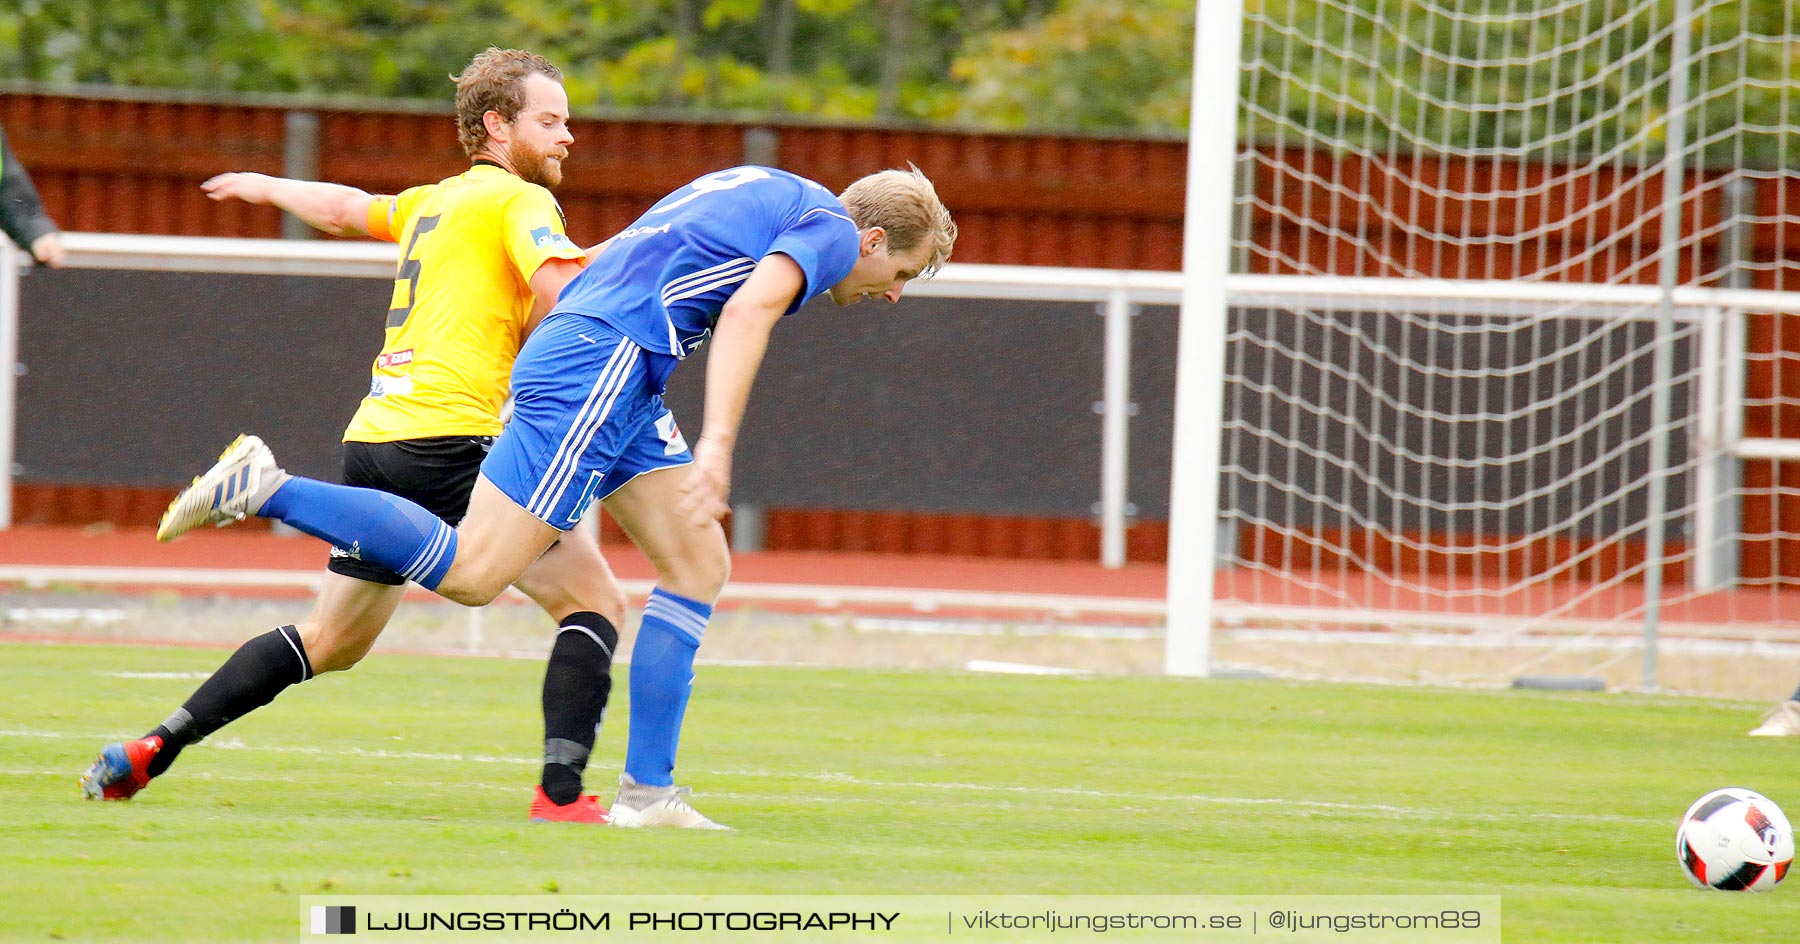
(437, 473)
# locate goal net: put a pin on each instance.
(1513, 351)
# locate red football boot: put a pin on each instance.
(121, 770)
(585, 809)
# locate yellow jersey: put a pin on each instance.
(462, 296)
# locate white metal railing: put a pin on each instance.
(1119, 293)
(826, 596)
(1042, 609)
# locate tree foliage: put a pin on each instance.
(1362, 70)
(853, 59)
(1089, 64)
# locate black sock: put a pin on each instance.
(577, 682)
(250, 679)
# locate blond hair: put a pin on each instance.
(906, 205)
(494, 81)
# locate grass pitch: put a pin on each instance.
(411, 776)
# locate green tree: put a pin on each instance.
(1108, 64)
(1392, 74)
(159, 43)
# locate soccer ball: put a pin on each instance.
(1735, 840)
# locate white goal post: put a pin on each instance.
(1499, 381)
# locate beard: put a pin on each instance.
(536, 166)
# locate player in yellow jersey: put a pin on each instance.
(483, 257)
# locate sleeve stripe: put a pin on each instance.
(827, 212)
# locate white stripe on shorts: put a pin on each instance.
(581, 432)
(619, 353)
(593, 427)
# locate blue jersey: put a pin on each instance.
(665, 278)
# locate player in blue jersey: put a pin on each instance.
(725, 258)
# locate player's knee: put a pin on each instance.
(701, 571)
(330, 649)
(722, 567)
(473, 582)
(472, 591)
(715, 566)
(610, 603)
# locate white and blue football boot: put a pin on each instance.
(232, 490)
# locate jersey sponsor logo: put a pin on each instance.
(390, 386)
(395, 358)
(673, 443)
(637, 231)
(546, 238)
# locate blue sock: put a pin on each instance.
(376, 526)
(662, 675)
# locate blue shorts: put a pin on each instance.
(588, 416)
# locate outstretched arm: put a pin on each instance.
(333, 208)
(22, 214)
(738, 341)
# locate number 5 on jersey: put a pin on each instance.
(406, 283)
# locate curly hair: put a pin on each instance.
(494, 81)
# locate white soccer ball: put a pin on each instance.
(1735, 840)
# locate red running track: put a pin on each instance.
(261, 550)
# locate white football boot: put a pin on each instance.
(639, 806)
(1784, 721)
(232, 490)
